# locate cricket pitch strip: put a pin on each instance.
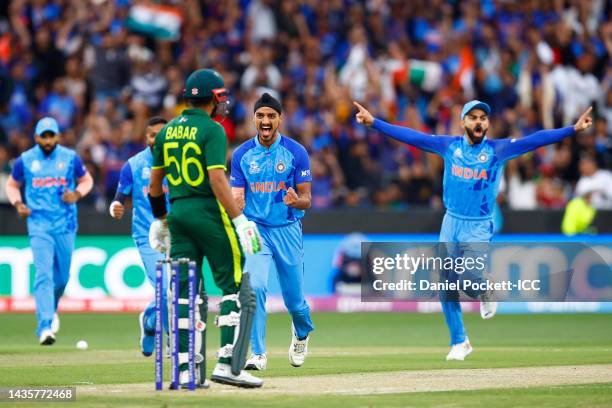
(391, 382)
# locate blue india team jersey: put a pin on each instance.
(45, 179)
(471, 178)
(134, 181)
(472, 172)
(266, 174)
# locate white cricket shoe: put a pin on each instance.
(184, 379)
(47, 337)
(488, 307)
(256, 362)
(459, 351)
(298, 349)
(55, 324)
(223, 375)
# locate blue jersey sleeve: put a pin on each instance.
(507, 149)
(79, 167)
(17, 172)
(430, 143)
(237, 178)
(125, 180)
(302, 167)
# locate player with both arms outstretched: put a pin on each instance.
(134, 183)
(473, 167)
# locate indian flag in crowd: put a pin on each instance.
(426, 75)
(162, 22)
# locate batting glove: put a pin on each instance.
(247, 231)
(159, 236)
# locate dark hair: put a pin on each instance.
(156, 120)
(199, 102)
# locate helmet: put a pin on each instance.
(208, 83)
(202, 84)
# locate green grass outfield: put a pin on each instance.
(345, 347)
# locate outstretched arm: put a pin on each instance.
(433, 144)
(510, 148)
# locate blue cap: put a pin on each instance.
(46, 124)
(474, 105)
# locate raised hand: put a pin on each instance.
(585, 121)
(363, 116)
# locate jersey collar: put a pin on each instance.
(273, 146)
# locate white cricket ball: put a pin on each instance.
(81, 345)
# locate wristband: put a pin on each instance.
(158, 205)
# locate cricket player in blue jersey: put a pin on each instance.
(55, 179)
(134, 183)
(473, 167)
(266, 172)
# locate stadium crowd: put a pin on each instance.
(103, 67)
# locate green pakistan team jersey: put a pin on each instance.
(186, 148)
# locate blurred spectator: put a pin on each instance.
(579, 215)
(108, 67)
(596, 182)
(261, 73)
(521, 184)
(59, 104)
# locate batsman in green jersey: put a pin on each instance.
(204, 221)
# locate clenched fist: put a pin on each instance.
(116, 210)
(291, 197)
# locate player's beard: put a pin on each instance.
(472, 133)
(267, 136)
(48, 149)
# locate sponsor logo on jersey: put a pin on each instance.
(182, 119)
(254, 167)
(458, 153)
(60, 165)
(306, 173)
(35, 166)
(146, 173)
(469, 173)
(280, 167)
(268, 186)
(42, 182)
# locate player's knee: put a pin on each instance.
(258, 285)
(296, 306)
